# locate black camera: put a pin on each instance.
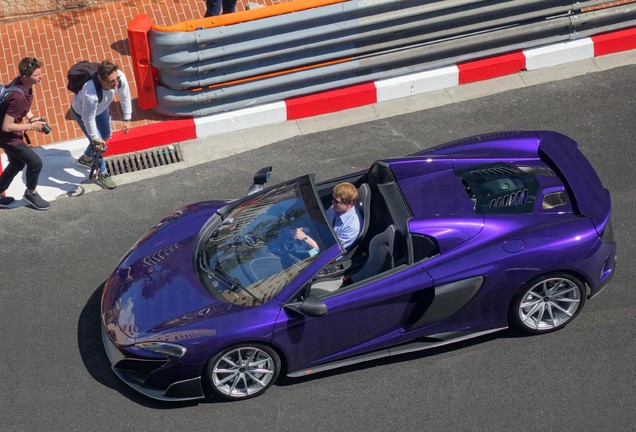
(46, 129)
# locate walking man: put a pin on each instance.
(90, 107)
(15, 108)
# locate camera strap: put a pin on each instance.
(25, 137)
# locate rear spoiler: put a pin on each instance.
(589, 196)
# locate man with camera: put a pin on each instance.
(15, 108)
(90, 107)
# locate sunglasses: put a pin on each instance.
(111, 82)
(32, 65)
(336, 201)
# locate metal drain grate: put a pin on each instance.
(158, 156)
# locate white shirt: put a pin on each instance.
(86, 104)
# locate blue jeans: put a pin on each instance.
(102, 121)
(213, 7)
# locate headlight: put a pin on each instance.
(172, 351)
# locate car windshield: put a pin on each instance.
(252, 255)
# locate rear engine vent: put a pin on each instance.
(513, 199)
(158, 156)
(500, 188)
(502, 170)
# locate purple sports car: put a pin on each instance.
(457, 241)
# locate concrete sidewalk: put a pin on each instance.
(61, 177)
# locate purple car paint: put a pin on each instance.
(461, 240)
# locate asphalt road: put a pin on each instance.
(55, 376)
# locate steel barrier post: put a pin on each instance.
(140, 51)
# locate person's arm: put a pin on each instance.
(347, 236)
(9, 125)
(350, 230)
(124, 96)
(88, 114)
(15, 107)
(301, 236)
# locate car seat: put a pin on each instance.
(363, 204)
(380, 257)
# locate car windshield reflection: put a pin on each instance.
(252, 255)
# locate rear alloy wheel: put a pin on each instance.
(242, 371)
(548, 303)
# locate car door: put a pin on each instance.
(360, 318)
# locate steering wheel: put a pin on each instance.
(252, 240)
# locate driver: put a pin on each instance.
(343, 215)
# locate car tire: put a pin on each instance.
(242, 371)
(547, 303)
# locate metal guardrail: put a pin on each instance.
(210, 70)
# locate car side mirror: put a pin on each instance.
(311, 306)
(260, 178)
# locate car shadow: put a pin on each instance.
(91, 349)
(98, 366)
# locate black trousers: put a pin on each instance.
(20, 156)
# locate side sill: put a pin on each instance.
(442, 339)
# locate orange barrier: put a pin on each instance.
(248, 15)
(140, 51)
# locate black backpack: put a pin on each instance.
(4, 92)
(82, 72)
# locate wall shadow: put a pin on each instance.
(122, 47)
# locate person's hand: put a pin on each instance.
(99, 145)
(307, 242)
(300, 235)
(124, 125)
(37, 125)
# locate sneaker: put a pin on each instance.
(36, 200)
(84, 163)
(104, 180)
(5, 202)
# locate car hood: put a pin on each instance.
(155, 288)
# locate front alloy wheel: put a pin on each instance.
(548, 303)
(242, 371)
